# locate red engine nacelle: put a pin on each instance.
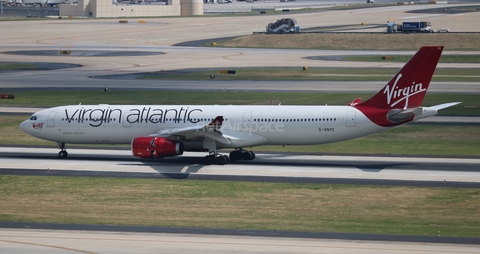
(148, 147)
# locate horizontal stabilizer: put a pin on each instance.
(400, 115)
(405, 111)
(445, 105)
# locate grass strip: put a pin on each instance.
(405, 58)
(470, 105)
(16, 66)
(430, 140)
(360, 41)
(242, 205)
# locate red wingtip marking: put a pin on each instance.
(355, 102)
(217, 121)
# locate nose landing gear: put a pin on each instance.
(63, 151)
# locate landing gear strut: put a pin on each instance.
(63, 152)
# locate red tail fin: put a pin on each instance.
(408, 87)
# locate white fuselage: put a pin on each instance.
(167, 130)
(243, 125)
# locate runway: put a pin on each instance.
(82, 241)
(272, 167)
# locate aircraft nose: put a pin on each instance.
(24, 126)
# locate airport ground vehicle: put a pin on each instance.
(283, 26)
(414, 27)
(443, 30)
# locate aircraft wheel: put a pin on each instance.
(62, 154)
(253, 155)
(247, 156)
(227, 159)
(235, 155)
(220, 160)
(209, 160)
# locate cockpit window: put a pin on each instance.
(33, 118)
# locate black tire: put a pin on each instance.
(227, 159)
(220, 160)
(235, 155)
(246, 156)
(63, 154)
(209, 160)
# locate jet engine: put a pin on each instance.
(155, 147)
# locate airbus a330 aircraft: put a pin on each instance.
(158, 131)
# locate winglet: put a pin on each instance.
(216, 123)
(355, 102)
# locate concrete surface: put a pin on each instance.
(20, 241)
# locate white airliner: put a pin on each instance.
(158, 131)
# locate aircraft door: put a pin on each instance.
(351, 119)
(51, 119)
(247, 121)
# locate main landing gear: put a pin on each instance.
(218, 159)
(215, 158)
(240, 154)
(63, 151)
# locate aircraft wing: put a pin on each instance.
(211, 130)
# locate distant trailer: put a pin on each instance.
(414, 27)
